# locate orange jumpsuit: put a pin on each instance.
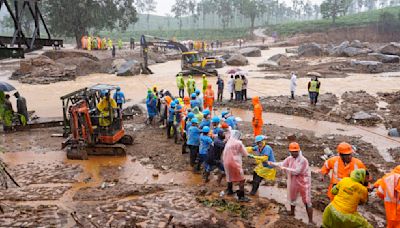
(84, 42)
(98, 43)
(389, 191)
(257, 116)
(209, 98)
(339, 170)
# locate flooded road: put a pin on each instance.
(45, 99)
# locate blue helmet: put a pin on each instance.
(118, 88)
(224, 113)
(215, 119)
(197, 91)
(176, 101)
(190, 115)
(206, 112)
(179, 107)
(195, 120)
(173, 105)
(193, 95)
(259, 138)
(205, 129)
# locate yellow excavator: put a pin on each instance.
(192, 62)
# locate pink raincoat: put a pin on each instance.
(232, 158)
(298, 178)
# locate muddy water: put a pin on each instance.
(44, 99)
(377, 136)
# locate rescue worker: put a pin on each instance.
(98, 43)
(181, 84)
(157, 95)
(106, 108)
(104, 44)
(22, 110)
(89, 43)
(205, 143)
(2, 99)
(298, 174)
(120, 44)
(389, 191)
(151, 103)
(94, 43)
(229, 119)
(7, 114)
(244, 88)
(194, 141)
(186, 124)
(200, 98)
(171, 119)
(257, 121)
(113, 51)
(177, 122)
(194, 102)
(206, 122)
(312, 91)
(214, 157)
(186, 103)
(341, 166)
(209, 98)
(231, 86)
(238, 88)
(119, 97)
(293, 85)
(232, 158)
(220, 85)
(205, 83)
(263, 154)
(318, 87)
(350, 192)
(84, 42)
(215, 125)
(110, 44)
(191, 85)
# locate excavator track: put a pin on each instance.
(82, 153)
(127, 140)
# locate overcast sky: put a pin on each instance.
(164, 6)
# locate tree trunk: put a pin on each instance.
(148, 22)
(252, 20)
(180, 25)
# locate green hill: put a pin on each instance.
(359, 19)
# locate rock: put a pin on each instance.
(117, 63)
(291, 50)
(129, 68)
(338, 50)
(385, 58)
(250, 52)
(361, 115)
(268, 63)
(310, 50)
(367, 66)
(356, 44)
(281, 59)
(352, 51)
(237, 60)
(390, 49)
(225, 57)
(394, 132)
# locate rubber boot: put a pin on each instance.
(206, 176)
(241, 197)
(254, 190)
(229, 191)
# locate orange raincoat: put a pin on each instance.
(257, 116)
(389, 190)
(339, 170)
(209, 98)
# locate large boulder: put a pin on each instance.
(117, 63)
(237, 60)
(310, 50)
(390, 49)
(268, 64)
(356, 44)
(280, 59)
(84, 65)
(129, 68)
(250, 52)
(292, 50)
(352, 51)
(385, 58)
(367, 66)
(55, 55)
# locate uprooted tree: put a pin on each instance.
(77, 17)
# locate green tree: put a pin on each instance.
(225, 11)
(180, 9)
(330, 9)
(147, 7)
(76, 17)
(252, 9)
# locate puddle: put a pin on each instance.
(377, 136)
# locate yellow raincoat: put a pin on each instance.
(105, 119)
(260, 169)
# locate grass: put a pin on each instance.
(187, 34)
(359, 19)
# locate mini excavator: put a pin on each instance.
(85, 135)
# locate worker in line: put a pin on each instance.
(229, 119)
(94, 43)
(106, 107)
(171, 119)
(103, 44)
(2, 99)
(177, 122)
(89, 43)
(263, 154)
(238, 88)
(191, 85)
(120, 44)
(298, 174)
(350, 192)
(231, 86)
(205, 83)
(209, 98)
(257, 121)
(158, 102)
(214, 157)
(341, 166)
(233, 165)
(312, 90)
(110, 44)
(293, 85)
(194, 141)
(215, 125)
(205, 143)
(119, 97)
(181, 85)
(244, 88)
(7, 114)
(220, 85)
(389, 191)
(200, 98)
(194, 102)
(186, 123)
(84, 42)
(22, 110)
(197, 114)
(206, 122)
(151, 104)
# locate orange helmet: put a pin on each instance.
(224, 125)
(294, 147)
(344, 148)
(256, 100)
(186, 100)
